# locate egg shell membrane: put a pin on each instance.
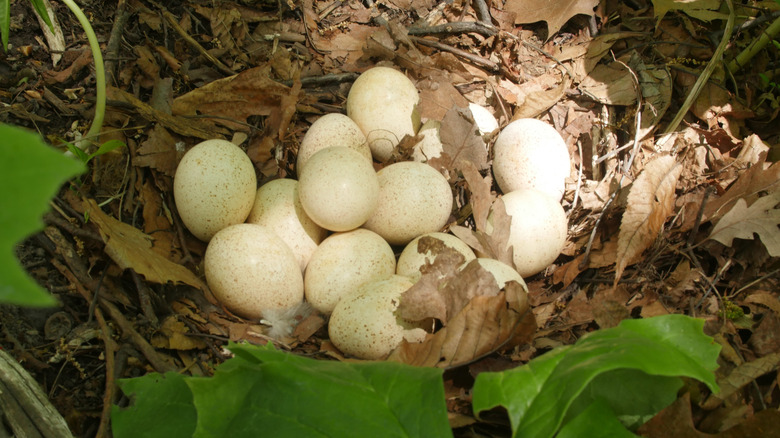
(529, 153)
(383, 102)
(214, 187)
(249, 269)
(364, 323)
(338, 189)
(277, 207)
(328, 131)
(342, 263)
(414, 199)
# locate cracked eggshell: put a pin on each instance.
(411, 260)
(342, 263)
(249, 269)
(538, 229)
(338, 188)
(414, 199)
(331, 130)
(430, 146)
(214, 187)
(383, 102)
(364, 323)
(278, 208)
(530, 154)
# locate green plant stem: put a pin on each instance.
(100, 72)
(756, 46)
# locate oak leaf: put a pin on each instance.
(742, 222)
(650, 202)
(554, 12)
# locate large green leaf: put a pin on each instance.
(31, 173)
(265, 392)
(5, 22)
(162, 407)
(640, 356)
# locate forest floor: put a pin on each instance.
(610, 76)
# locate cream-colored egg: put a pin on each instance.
(430, 146)
(249, 269)
(364, 323)
(383, 102)
(411, 260)
(530, 154)
(328, 131)
(278, 208)
(338, 188)
(538, 229)
(342, 263)
(214, 187)
(414, 199)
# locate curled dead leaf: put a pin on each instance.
(650, 202)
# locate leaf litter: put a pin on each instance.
(693, 230)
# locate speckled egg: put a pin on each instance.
(338, 188)
(364, 323)
(530, 154)
(342, 263)
(214, 187)
(277, 207)
(538, 229)
(414, 199)
(249, 269)
(383, 102)
(331, 130)
(411, 260)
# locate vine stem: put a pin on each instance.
(100, 72)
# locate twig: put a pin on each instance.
(486, 63)
(329, 79)
(457, 27)
(144, 299)
(702, 80)
(115, 39)
(483, 12)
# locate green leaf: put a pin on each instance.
(273, 393)
(106, 148)
(600, 422)
(162, 407)
(5, 22)
(31, 173)
(544, 394)
(40, 8)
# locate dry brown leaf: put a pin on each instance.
(130, 248)
(158, 151)
(486, 324)
(492, 242)
(249, 93)
(676, 420)
(461, 139)
(480, 195)
(741, 222)
(173, 334)
(650, 202)
(610, 84)
(537, 102)
(554, 12)
(741, 376)
(747, 186)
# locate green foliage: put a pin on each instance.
(103, 149)
(31, 173)
(5, 18)
(626, 374)
(266, 392)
